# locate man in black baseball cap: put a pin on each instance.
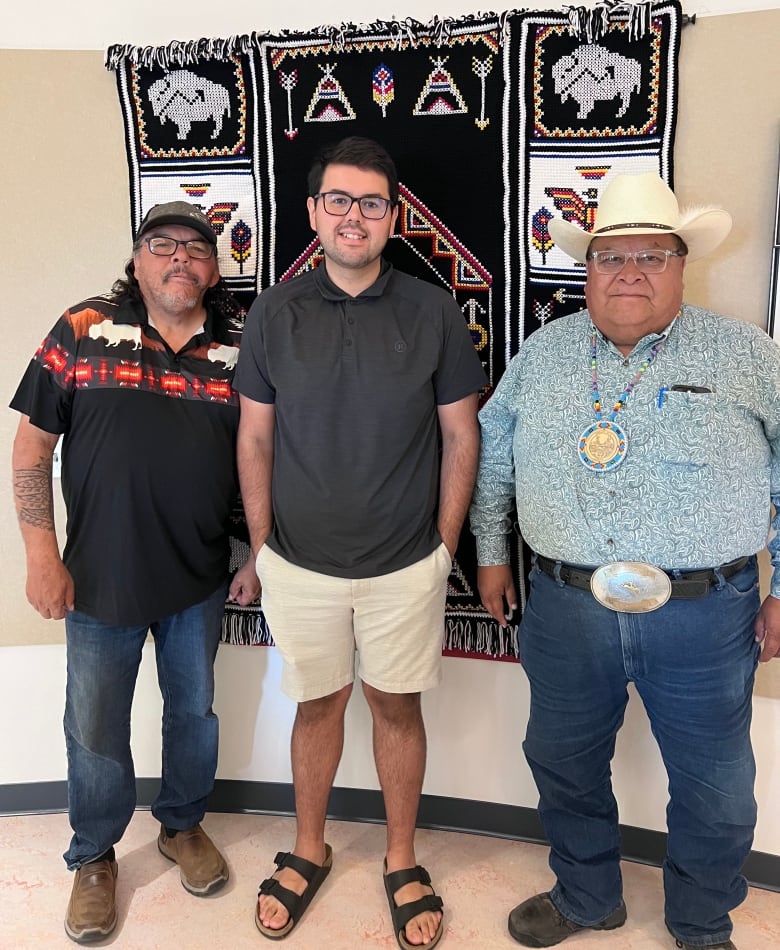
(141, 384)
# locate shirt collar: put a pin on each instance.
(646, 343)
(134, 312)
(331, 292)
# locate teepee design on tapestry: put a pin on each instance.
(329, 103)
(440, 95)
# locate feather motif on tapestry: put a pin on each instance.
(240, 243)
(540, 235)
(384, 87)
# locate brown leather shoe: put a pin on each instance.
(203, 869)
(92, 908)
(537, 922)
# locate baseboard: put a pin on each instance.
(354, 804)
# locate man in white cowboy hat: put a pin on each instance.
(640, 442)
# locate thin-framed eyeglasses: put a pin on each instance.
(167, 246)
(650, 261)
(340, 204)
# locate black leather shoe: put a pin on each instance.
(537, 922)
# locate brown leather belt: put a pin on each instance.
(689, 584)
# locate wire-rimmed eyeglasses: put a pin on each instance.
(650, 261)
(167, 247)
(340, 203)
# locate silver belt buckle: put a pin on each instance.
(631, 587)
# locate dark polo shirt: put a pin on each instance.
(148, 474)
(355, 382)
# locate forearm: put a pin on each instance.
(494, 496)
(255, 456)
(31, 463)
(254, 474)
(49, 584)
(459, 459)
(491, 513)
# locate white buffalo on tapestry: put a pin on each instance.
(183, 97)
(593, 73)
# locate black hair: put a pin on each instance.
(359, 152)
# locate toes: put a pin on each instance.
(422, 929)
(271, 913)
(414, 933)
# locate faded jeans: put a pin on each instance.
(102, 666)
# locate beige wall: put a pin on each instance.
(65, 206)
(728, 138)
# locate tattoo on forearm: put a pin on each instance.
(32, 489)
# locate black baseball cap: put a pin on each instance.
(178, 212)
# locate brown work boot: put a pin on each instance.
(537, 922)
(203, 869)
(92, 908)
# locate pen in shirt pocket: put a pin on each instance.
(679, 388)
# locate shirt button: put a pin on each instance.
(347, 342)
(626, 362)
(610, 541)
(350, 320)
(611, 494)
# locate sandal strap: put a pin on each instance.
(307, 869)
(397, 879)
(287, 898)
(405, 912)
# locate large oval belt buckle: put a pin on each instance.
(631, 587)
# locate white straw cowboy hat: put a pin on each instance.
(644, 204)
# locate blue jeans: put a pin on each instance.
(102, 666)
(693, 663)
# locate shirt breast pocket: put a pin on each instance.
(690, 427)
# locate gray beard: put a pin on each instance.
(177, 302)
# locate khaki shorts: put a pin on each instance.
(395, 622)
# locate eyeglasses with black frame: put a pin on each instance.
(339, 203)
(653, 260)
(167, 247)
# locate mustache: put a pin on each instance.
(180, 271)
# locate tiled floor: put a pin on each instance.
(481, 879)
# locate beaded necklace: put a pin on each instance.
(603, 444)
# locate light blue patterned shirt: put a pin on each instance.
(695, 486)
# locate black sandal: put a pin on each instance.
(295, 904)
(403, 914)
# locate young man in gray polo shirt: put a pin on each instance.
(357, 448)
